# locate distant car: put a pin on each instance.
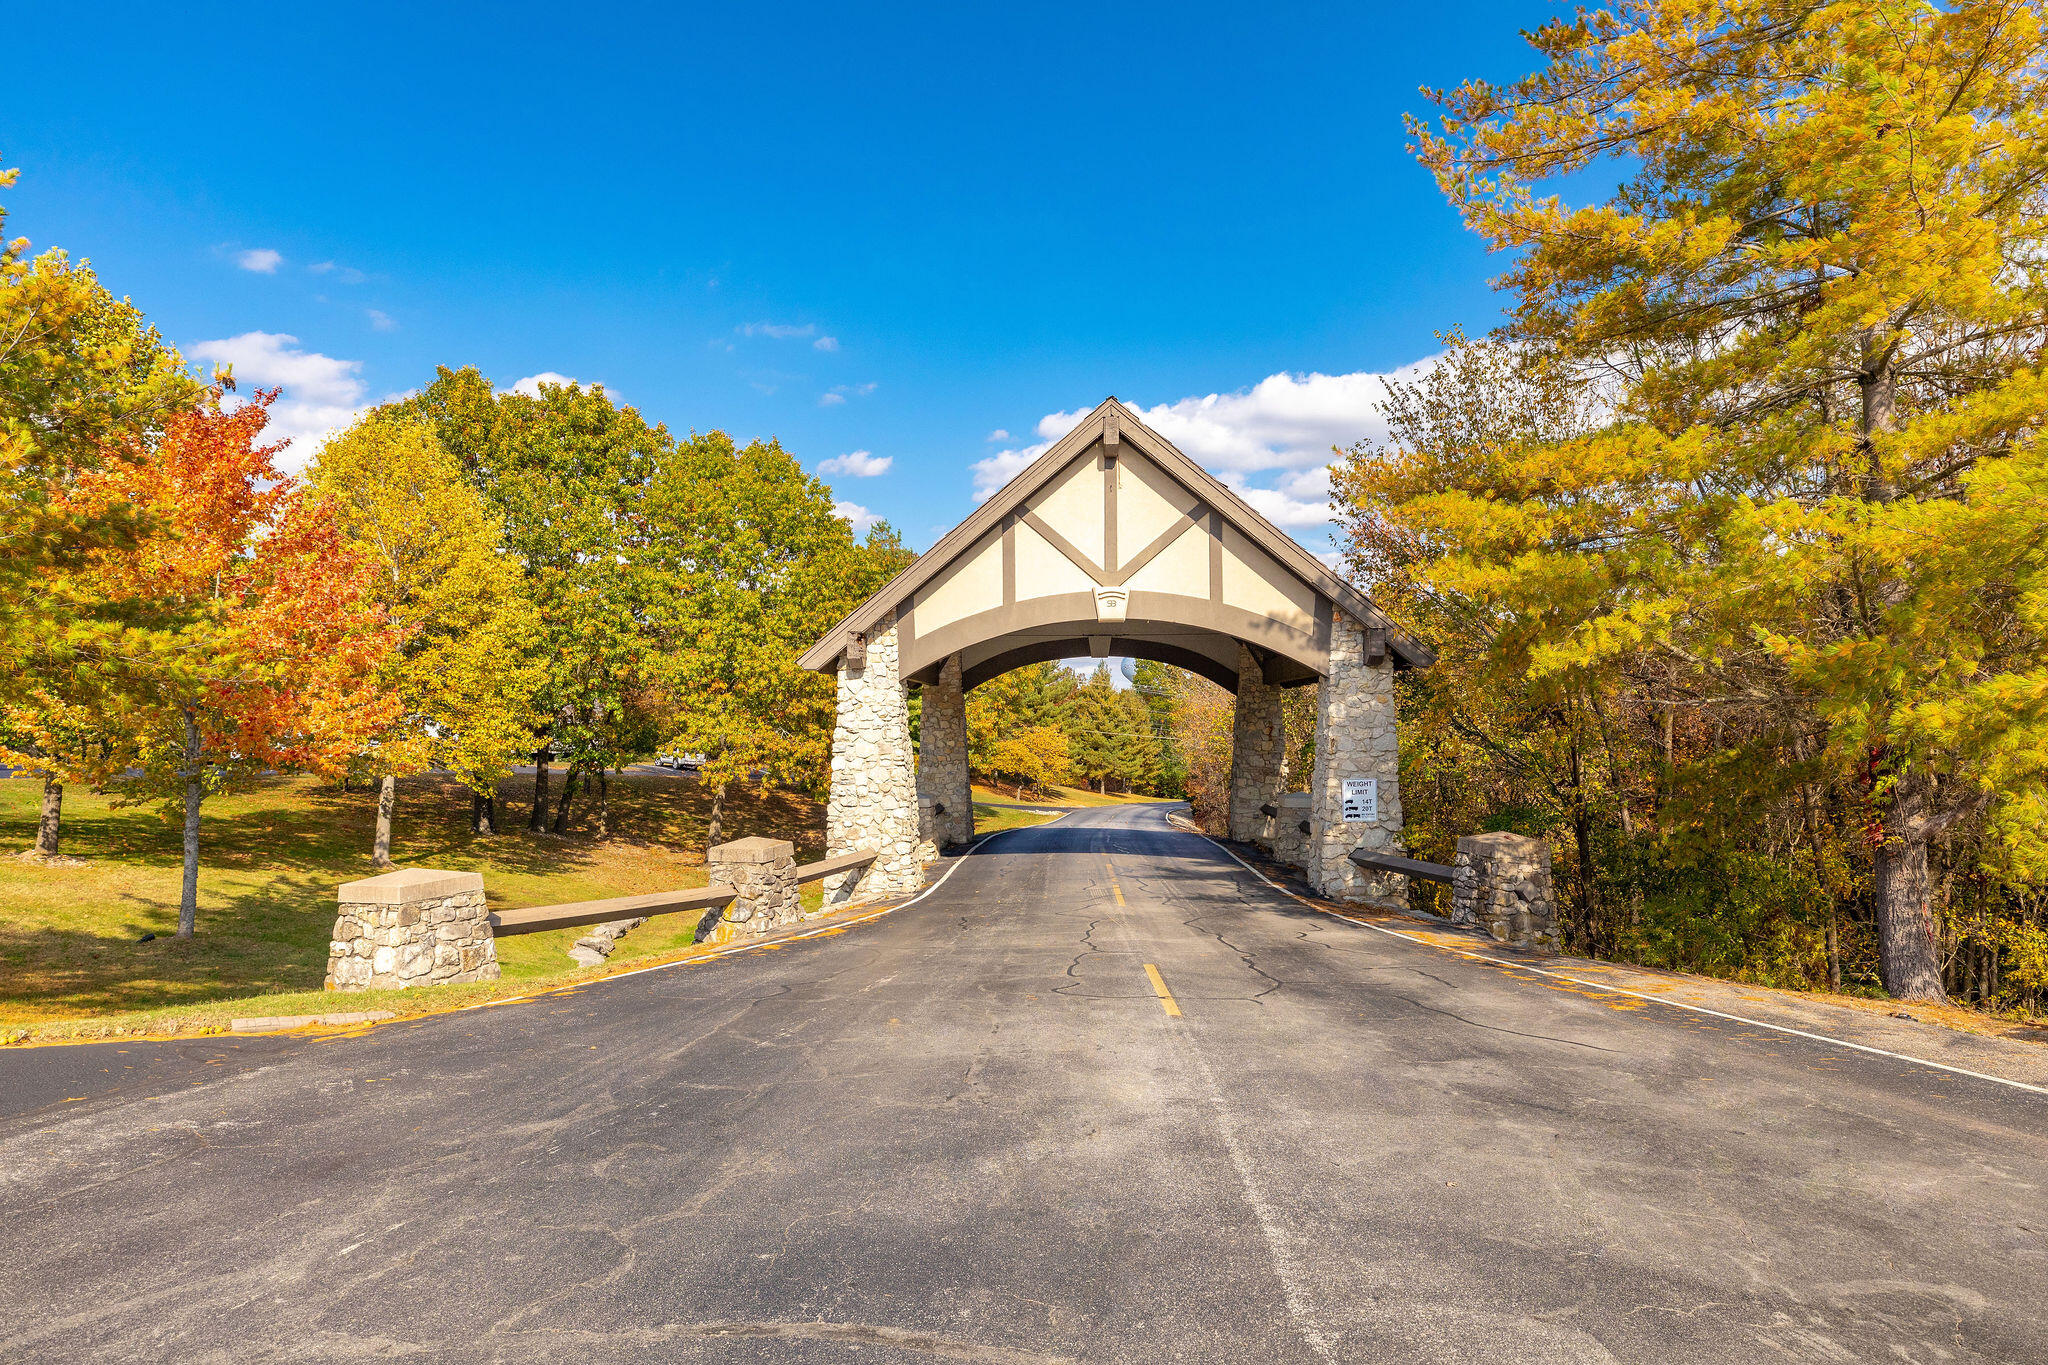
(688, 763)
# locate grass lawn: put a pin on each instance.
(270, 861)
(1056, 795)
(989, 819)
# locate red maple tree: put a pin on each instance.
(255, 638)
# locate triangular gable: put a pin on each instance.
(1113, 425)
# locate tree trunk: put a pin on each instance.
(569, 785)
(714, 833)
(538, 821)
(387, 798)
(188, 896)
(1820, 879)
(1582, 840)
(48, 827)
(604, 804)
(1908, 957)
(483, 812)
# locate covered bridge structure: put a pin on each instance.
(1114, 544)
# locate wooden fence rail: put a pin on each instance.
(825, 867)
(534, 919)
(1407, 867)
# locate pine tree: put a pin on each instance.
(1817, 304)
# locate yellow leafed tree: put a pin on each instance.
(1813, 310)
(466, 676)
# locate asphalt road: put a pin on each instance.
(972, 1130)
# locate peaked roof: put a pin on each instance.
(1218, 495)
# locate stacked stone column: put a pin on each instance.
(1290, 840)
(1258, 752)
(1501, 882)
(874, 782)
(945, 796)
(418, 927)
(762, 875)
(1354, 739)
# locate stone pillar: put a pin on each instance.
(1502, 882)
(1355, 742)
(945, 795)
(417, 927)
(874, 785)
(762, 874)
(1258, 752)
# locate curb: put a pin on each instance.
(282, 1023)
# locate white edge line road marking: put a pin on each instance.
(1637, 995)
(958, 863)
(1285, 1264)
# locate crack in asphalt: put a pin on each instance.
(1496, 1028)
(1247, 958)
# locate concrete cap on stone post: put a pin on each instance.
(753, 849)
(1500, 841)
(410, 885)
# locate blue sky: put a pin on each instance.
(881, 234)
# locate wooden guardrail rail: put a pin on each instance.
(1407, 867)
(825, 867)
(535, 919)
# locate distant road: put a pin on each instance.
(1103, 1096)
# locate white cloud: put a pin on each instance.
(321, 394)
(826, 344)
(858, 463)
(380, 319)
(261, 260)
(782, 331)
(839, 393)
(530, 386)
(1280, 432)
(1001, 467)
(860, 518)
(346, 274)
(997, 435)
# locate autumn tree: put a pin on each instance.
(748, 564)
(465, 675)
(1425, 524)
(83, 381)
(82, 378)
(1024, 698)
(48, 735)
(267, 639)
(1031, 756)
(1815, 306)
(1202, 716)
(567, 471)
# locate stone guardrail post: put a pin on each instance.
(762, 875)
(1290, 840)
(417, 927)
(1501, 882)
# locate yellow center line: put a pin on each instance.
(1166, 1000)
